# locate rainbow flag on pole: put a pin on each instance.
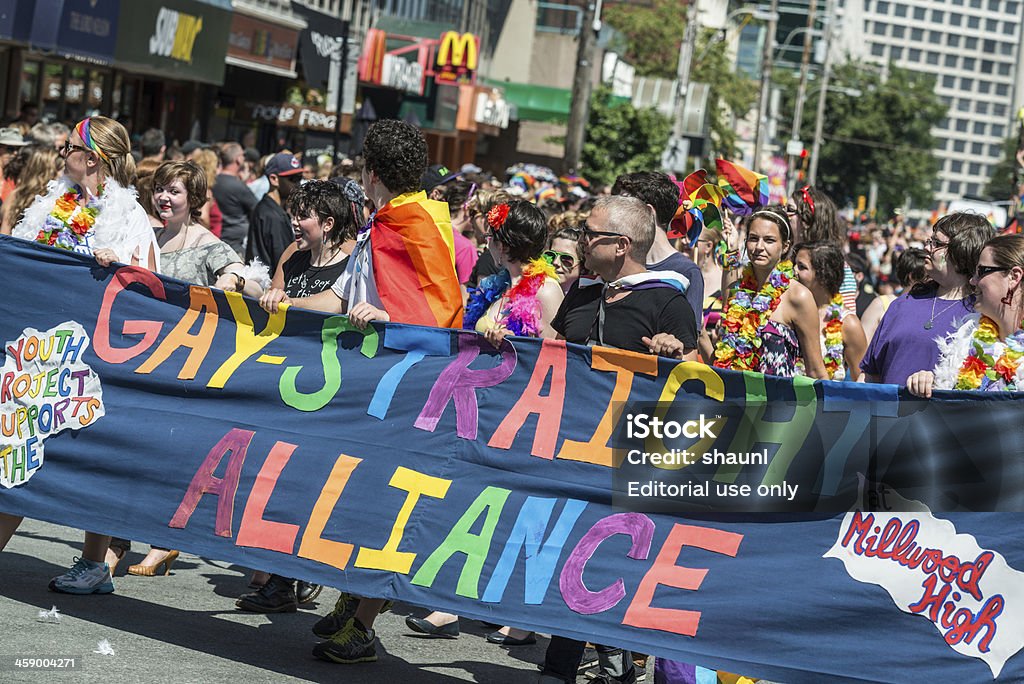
(414, 262)
(746, 191)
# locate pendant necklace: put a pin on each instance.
(931, 321)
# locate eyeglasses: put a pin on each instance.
(983, 271)
(69, 148)
(934, 245)
(791, 210)
(587, 233)
(568, 261)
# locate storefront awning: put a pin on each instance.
(534, 102)
(81, 29)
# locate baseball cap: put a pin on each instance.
(436, 175)
(190, 146)
(283, 164)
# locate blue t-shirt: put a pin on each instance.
(691, 271)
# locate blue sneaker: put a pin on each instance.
(84, 577)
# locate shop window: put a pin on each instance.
(28, 90)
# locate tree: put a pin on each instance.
(877, 130)
(1000, 184)
(652, 35)
(621, 138)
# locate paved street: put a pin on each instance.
(184, 628)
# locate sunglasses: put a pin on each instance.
(983, 271)
(69, 148)
(935, 245)
(588, 234)
(568, 261)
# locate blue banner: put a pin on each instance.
(423, 465)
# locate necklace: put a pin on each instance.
(832, 334)
(749, 310)
(931, 321)
(982, 368)
(68, 225)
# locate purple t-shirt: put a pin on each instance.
(902, 345)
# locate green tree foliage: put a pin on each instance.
(1000, 184)
(621, 138)
(652, 35)
(882, 135)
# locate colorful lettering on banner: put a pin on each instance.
(45, 388)
(971, 595)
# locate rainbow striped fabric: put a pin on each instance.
(413, 254)
(745, 191)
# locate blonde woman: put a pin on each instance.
(91, 210)
(42, 165)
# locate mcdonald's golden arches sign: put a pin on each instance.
(457, 59)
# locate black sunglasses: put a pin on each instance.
(982, 271)
(587, 233)
(68, 148)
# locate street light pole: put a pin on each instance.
(766, 83)
(581, 89)
(826, 73)
(798, 109)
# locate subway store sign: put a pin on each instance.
(174, 38)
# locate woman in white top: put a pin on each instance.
(91, 210)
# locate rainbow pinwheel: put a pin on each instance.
(745, 191)
(699, 206)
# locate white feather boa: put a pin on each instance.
(257, 271)
(121, 224)
(953, 351)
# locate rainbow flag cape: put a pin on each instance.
(745, 191)
(414, 262)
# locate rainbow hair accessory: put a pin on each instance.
(82, 128)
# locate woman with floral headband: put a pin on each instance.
(91, 210)
(819, 267)
(770, 320)
(986, 350)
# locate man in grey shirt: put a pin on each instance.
(233, 197)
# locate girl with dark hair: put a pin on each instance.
(813, 217)
(819, 267)
(770, 319)
(904, 342)
(325, 218)
(986, 350)
(524, 296)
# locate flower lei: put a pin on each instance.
(749, 310)
(69, 222)
(520, 313)
(980, 370)
(833, 356)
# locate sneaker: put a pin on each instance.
(345, 608)
(306, 592)
(352, 644)
(276, 596)
(84, 577)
